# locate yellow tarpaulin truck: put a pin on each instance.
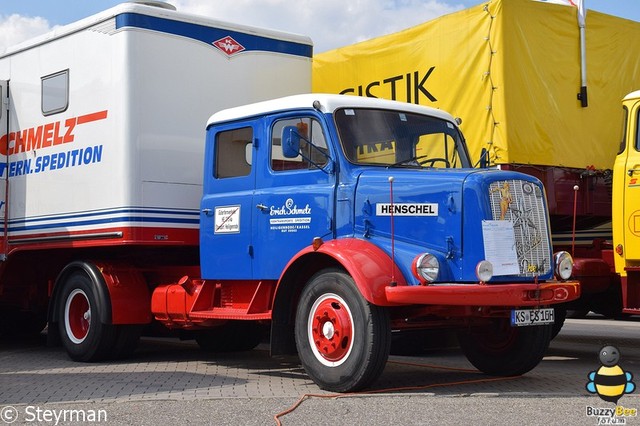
(511, 70)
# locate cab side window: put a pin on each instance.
(313, 145)
(233, 153)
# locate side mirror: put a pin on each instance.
(290, 142)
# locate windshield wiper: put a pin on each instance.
(416, 161)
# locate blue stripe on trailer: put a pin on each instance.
(208, 35)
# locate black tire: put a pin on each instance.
(343, 341)
(560, 315)
(83, 335)
(577, 314)
(127, 339)
(609, 303)
(234, 336)
(502, 350)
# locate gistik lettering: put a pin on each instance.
(412, 83)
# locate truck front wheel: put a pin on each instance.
(84, 336)
(343, 341)
(501, 350)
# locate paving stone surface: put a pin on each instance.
(169, 372)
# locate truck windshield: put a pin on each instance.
(399, 139)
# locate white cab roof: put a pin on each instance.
(327, 104)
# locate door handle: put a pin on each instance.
(207, 212)
(262, 207)
(630, 172)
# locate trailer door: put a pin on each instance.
(4, 160)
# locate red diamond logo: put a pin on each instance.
(228, 46)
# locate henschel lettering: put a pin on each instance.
(406, 209)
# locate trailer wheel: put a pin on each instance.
(84, 337)
(343, 341)
(502, 350)
(234, 336)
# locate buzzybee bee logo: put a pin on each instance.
(610, 381)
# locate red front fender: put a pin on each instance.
(369, 266)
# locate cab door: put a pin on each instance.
(226, 250)
(294, 198)
(4, 164)
(631, 209)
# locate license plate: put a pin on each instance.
(524, 317)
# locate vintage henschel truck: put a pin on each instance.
(332, 222)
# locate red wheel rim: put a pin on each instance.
(331, 330)
(78, 316)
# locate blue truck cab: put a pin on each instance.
(337, 219)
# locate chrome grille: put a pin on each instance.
(522, 203)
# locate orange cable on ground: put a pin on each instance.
(347, 395)
(437, 367)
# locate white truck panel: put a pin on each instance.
(127, 151)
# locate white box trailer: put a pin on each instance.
(102, 131)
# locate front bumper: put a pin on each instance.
(513, 295)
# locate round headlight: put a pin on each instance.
(484, 271)
(564, 265)
(427, 267)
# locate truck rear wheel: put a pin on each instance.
(83, 335)
(502, 350)
(342, 340)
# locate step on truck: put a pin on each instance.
(327, 221)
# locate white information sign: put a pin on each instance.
(227, 220)
(500, 246)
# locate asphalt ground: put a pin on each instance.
(168, 381)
